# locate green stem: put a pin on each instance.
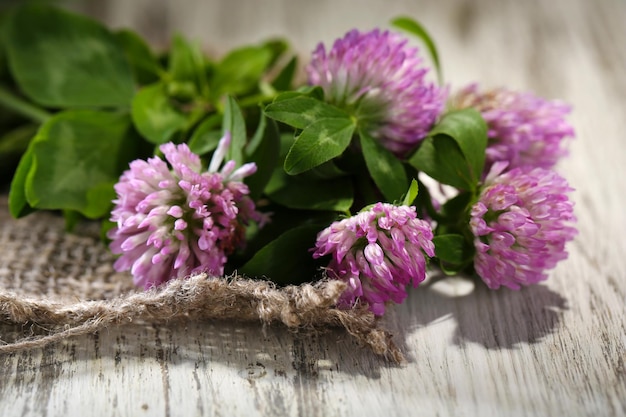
(258, 98)
(20, 106)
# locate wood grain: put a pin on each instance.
(553, 349)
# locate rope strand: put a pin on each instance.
(200, 298)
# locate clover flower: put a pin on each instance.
(521, 223)
(377, 252)
(523, 129)
(381, 80)
(173, 222)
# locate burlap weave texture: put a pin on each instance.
(66, 282)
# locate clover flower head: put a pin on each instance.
(381, 80)
(377, 252)
(521, 223)
(523, 129)
(175, 220)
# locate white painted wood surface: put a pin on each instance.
(556, 349)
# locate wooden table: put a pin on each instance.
(556, 349)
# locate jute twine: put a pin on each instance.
(66, 283)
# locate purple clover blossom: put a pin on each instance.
(521, 223)
(175, 222)
(380, 80)
(523, 129)
(377, 252)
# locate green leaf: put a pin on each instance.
(277, 48)
(264, 150)
(300, 111)
(454, 153)
(366, 190)
(16, 105)
(313, 91)
(327, 170)
(186, 63)
(258, 137)
(286, 141)
(305, 194)
(319, 142)
(18, 205)
(453, 251)
(77, 157)
(207, 135)
(455, 208)
(235, 123)
(469, 130)
(411, 195)
(72, 218)
(13, 144)
(424, 202)
(442, 159)
(155, 116)
(284, 79)
(241, 70)
(145, 66)
(411, 26)
(99, 198)
(385, 168)
(3, 58)
(287, 259)
(289, 219)
(61, 59)
(450, 248)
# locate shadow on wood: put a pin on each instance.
(502, 319)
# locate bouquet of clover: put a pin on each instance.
(365, 174)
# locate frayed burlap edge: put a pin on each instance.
(307, 306)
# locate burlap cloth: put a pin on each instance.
(65, 283)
